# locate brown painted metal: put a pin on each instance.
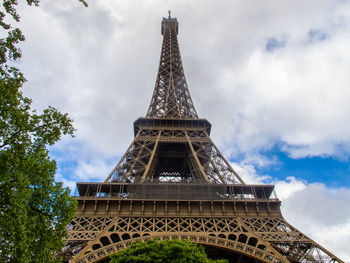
(173, 182)
(171, 97)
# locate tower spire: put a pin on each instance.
(171, 97)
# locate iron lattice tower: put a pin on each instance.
(173, 182)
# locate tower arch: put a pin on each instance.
(255, 253)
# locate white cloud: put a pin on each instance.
(248, 173)
(94, 170)
(100, 64)
(335, 238)
(288, 187)
(80, 163)
(299, 96)
(323, 214)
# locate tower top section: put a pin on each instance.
(171, 97)
(170, 22)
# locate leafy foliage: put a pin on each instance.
(34, 209)
(166, 251)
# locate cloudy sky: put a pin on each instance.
(271, 76)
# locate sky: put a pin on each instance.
(271, 76)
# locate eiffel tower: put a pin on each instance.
(173, 182)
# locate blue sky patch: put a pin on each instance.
(273, 44)
(317, 35)
(327, 170)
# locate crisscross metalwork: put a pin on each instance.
(173, 182)
(171, 97)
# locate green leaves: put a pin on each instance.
(84, 3)
(34, 209)
(20, 126)
(166, 251)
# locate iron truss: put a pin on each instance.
(173, 182)
(264, 239)
(171, 97)
(201, 159)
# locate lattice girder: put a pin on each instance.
(289, 241)
(171, 97)
(228, 233)
(204, 160)
(173, 182)
(231, 245)
(87, 228)
(283, 243)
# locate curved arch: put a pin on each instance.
(235, 246)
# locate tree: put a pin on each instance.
(34, 209)
(166, 251)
